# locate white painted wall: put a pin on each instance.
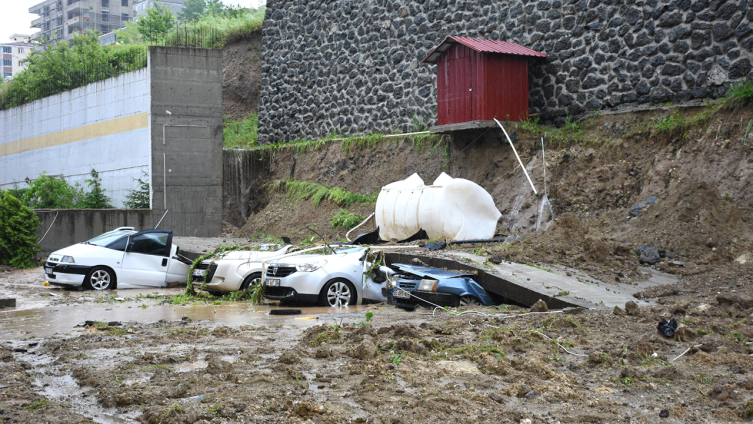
(119, 158)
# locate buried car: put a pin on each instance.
(236, 270)
(421, 285)
(344, 277)
(122, 258)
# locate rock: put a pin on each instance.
(495, 259)
(664, 413)
(618, 311)
(648, 254)
(735, 299)
(539, 306)
(680, 308)
(409, 345)
(684, 334)
(323, 351)
(367, 349)
(497, 398)
(631, 308)
(638, 209)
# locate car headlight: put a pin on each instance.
(310, 266)
(428, 285)
(68, 259)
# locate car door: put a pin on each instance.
(146, 259)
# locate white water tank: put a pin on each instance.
(451, 208)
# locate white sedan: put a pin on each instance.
(236, 270)
(122, 258)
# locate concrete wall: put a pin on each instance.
(351, 67)
(70, 226)
(104, 125)
(186, 132)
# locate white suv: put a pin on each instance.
(337, 279)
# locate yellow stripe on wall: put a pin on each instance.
(85, 132)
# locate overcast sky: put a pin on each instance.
(15, 17)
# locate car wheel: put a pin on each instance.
(469, 301)
(100, 278)
(251, 280)
(337, 293)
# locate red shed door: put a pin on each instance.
(454, 84)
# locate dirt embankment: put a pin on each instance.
(241, 76)
(699, 174)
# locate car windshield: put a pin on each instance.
(109, 237)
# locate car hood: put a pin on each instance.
(302, 259)
(428, 272)
(79, 249)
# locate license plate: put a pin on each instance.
(199, 272)
(400, 294)
(47, 270)
(273, 282)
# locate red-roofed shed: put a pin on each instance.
(478, 80)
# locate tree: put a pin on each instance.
(215, 7)
(192, 10)
(18, 238)
(96, 197)
(139, 198)
(157, 22)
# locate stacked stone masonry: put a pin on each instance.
(349, 67)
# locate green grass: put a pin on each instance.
(572, 132)
(346, 220)
(739, 94)
(671, 123)
(241, 134)
(316, 193)
(420, 142)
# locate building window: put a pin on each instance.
(7, 62)
(7, 74)
(105, 16)
(7, 49)
(20, 50)
(105, 3)
(124, 3)
(125, 17)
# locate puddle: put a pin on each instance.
(44, 322)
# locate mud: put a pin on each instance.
(237, 364)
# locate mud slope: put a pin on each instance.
(241, 76)
(700, 174)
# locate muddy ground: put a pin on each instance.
(481, 365)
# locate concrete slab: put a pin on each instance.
(525, 284)
(7, 303)
(554, 282)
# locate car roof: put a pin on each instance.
(425, 271)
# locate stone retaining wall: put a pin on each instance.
(348, 67)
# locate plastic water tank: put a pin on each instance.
(451, 208)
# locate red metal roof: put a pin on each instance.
(484, 46)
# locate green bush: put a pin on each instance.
(18, 226)
(50, 192)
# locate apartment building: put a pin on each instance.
(13, 54)
(62, 19)
(140, 6)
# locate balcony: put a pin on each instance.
(76, 22)
(36, 23)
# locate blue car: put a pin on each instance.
(421, 285)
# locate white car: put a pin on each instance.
(236, 270)
(337, 279)
(122, 258)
